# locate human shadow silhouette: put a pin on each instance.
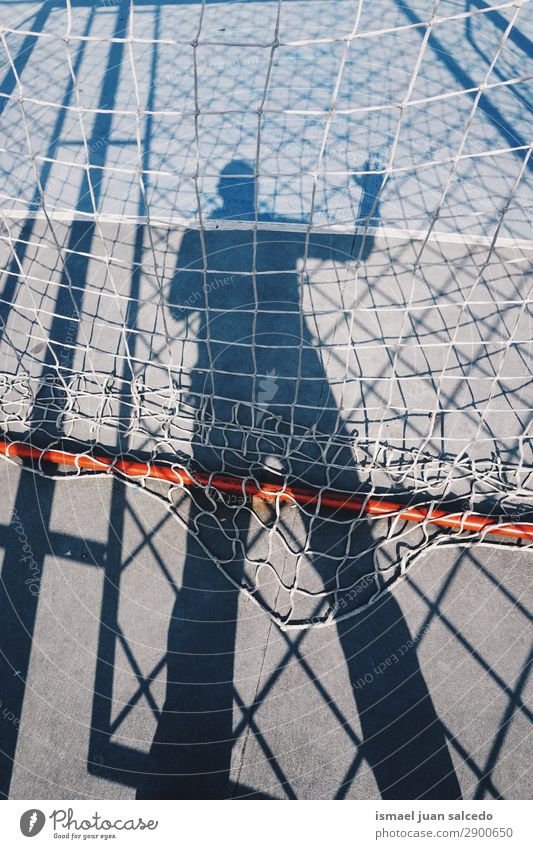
(247, 322)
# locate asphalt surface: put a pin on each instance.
(119, 680)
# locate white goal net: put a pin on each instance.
(286, 241)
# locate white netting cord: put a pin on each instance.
(128, 40)
(356, 356)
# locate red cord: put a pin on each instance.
(269, 491)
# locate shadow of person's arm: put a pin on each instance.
(353, 238)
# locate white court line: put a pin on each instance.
(68, 217)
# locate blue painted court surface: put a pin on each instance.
(329, 104)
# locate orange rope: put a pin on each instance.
(269, 491)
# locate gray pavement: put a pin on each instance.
(304, 709)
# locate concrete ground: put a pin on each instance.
(316, 714)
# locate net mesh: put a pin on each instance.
(285, 241)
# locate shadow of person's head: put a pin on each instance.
(236, 190)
